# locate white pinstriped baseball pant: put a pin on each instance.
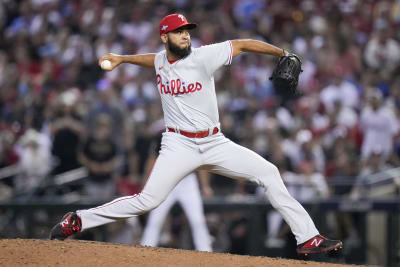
(180, 156)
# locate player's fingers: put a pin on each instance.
(109, 57)
(102, 59)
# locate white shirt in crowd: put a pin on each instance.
(382, 55)
(306, 187)
(345, 92)
(379, 127)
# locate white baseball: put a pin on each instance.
(106, 64)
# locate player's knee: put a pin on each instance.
(275, 171)
(269, 174)
(151, 206)
(150, 202)
(155, 203)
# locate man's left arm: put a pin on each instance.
(255, 46)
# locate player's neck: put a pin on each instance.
(171, 57)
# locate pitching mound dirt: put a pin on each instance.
(22, 252)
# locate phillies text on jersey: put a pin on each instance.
(176, 87)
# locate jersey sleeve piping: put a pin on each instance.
(231, 54)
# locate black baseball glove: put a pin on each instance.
(285, 76)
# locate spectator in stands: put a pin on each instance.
(374, 165)
(379, 126)
(8, 157)
(34, 159)
(309, 184)
(107, 101)
(99, 156)
(8, 154)
(67, 132)
(340, 90)
(382, 51)
(310, 149)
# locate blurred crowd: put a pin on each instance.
(59, 111)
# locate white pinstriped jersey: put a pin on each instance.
(187, 86)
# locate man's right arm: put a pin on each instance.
(144, 60)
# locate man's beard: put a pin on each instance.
(179, 52)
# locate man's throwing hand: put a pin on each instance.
(110, 61)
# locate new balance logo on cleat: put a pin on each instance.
(319, 244)
(316, 242)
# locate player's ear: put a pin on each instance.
(164, 38)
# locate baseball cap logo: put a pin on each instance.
(181, 17)
(164, 27)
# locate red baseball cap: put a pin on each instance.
(173, 22)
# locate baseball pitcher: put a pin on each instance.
(193, 139)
